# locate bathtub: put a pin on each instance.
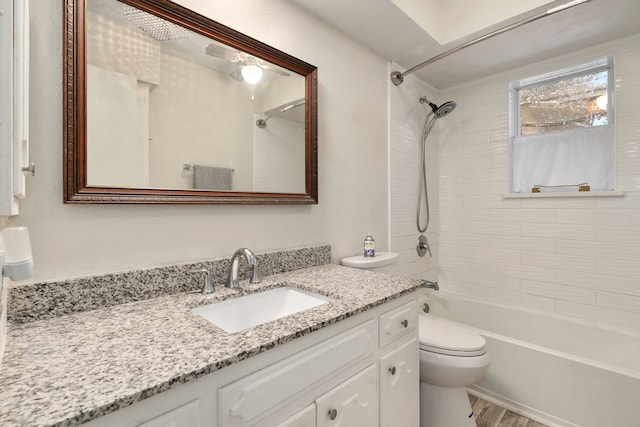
(552, 369)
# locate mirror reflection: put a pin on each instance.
(168, 108)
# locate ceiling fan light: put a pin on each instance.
(251, 74)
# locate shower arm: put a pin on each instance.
(397, 77)
(283, 109)
(261, 123)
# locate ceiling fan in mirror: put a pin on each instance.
(249, 68)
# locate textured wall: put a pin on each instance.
(76, 240)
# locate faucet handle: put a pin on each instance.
(207, 287)
(422, 246)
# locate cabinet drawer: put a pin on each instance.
(244, 400)
(397, 322)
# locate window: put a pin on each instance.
(561, 131)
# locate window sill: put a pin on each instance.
(563, 194)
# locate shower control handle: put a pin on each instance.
(422, 246)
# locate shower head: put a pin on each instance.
(445, 109)
(440, 111)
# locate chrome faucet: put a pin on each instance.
(233, 271)
(207, 286)
(431, 285)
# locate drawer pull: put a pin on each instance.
(333, 413)
(392, 370)
(405, 323)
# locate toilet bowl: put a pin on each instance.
(452, 356)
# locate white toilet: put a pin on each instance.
(452, 356)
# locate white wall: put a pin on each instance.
(78, 240)
(189, 124)
(406, 124)
(573, 256)
(279, 156)
(116, 154)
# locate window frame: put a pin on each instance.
(590, 67)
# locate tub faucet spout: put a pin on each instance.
(233, 271)
(431, 285)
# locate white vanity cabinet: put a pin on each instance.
(248, 400)
(304, 418)
(186, 415)
(361, 371)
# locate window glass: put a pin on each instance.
(570, 103)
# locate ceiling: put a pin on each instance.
(181, 43)
(383, 27)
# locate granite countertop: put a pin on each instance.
(74, 368)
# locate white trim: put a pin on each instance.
(564, 194)
(14, 103)
(584, 68)
(20, 95)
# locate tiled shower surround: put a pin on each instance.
(46, 300)
(574, 256)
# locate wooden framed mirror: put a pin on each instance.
(163, 105)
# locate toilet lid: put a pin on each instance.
(443, 336)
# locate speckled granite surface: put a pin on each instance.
(69, 369)
(46, 300)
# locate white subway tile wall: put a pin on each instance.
(573, 256)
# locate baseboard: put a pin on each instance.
(3, 316)
(519, 408)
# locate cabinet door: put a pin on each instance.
(352, 403)
(304, 418)
(400, 386)
(187, 415)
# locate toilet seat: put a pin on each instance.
(443, 336)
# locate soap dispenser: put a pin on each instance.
(16, 261)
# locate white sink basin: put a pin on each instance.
(237, 314)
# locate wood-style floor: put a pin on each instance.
(490, 415)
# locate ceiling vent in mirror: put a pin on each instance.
(156, 27)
